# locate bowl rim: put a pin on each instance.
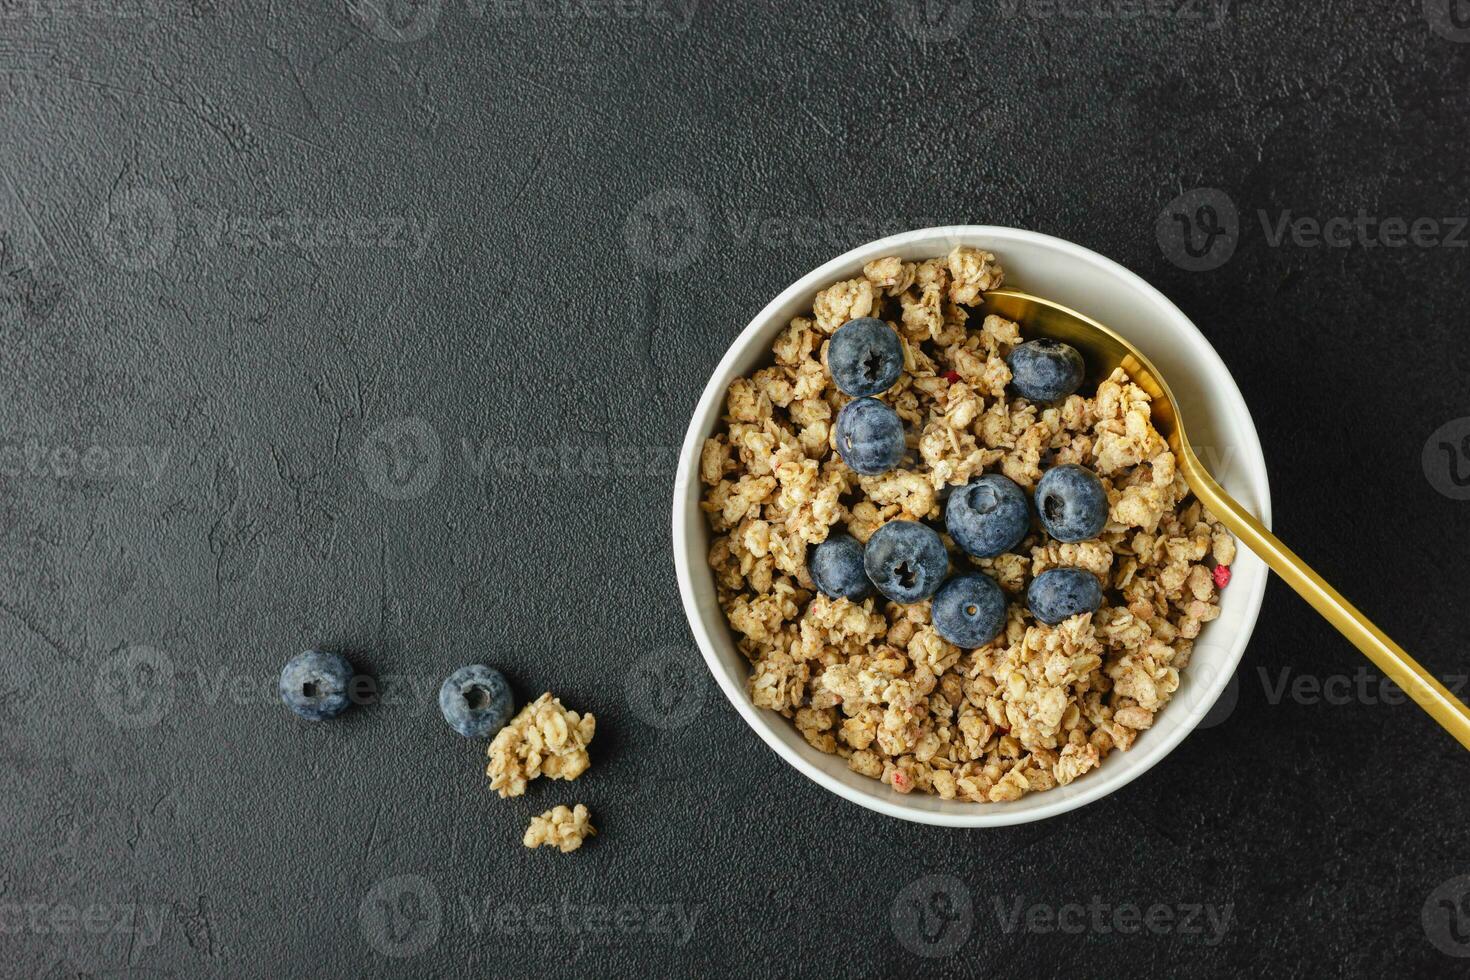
(762, 721)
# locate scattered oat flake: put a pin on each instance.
(561, 827)
(1222, 576)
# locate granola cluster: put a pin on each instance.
(561, 827)
(873, 681)
(544, 739)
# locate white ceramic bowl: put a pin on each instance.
(1218, 421)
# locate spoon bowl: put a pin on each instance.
(1103, 350)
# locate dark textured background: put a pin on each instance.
(608, 194)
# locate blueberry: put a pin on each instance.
(969, 610)
(314, 684)
(870, 436)
(476, 701)
(837, 568)
(1046, 370)
(906, 561)
(1059, 593)
(988, 515)
(865, 357)
(1071, 502)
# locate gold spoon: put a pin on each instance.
(1104, 350)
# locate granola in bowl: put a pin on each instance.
(872, 679)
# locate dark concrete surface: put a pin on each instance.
(244, 247)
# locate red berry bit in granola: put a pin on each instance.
(1222, 576)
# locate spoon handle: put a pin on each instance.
(1418, 683)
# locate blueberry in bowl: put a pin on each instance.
(746, 521)
(1071, 503)
(314, 684)
(1046, 370)
(870, 436)
(988, 516)
(906, 561)
(476, 701)
(969, 610)
(1061, 593)
(865, 357)
(837, 569)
